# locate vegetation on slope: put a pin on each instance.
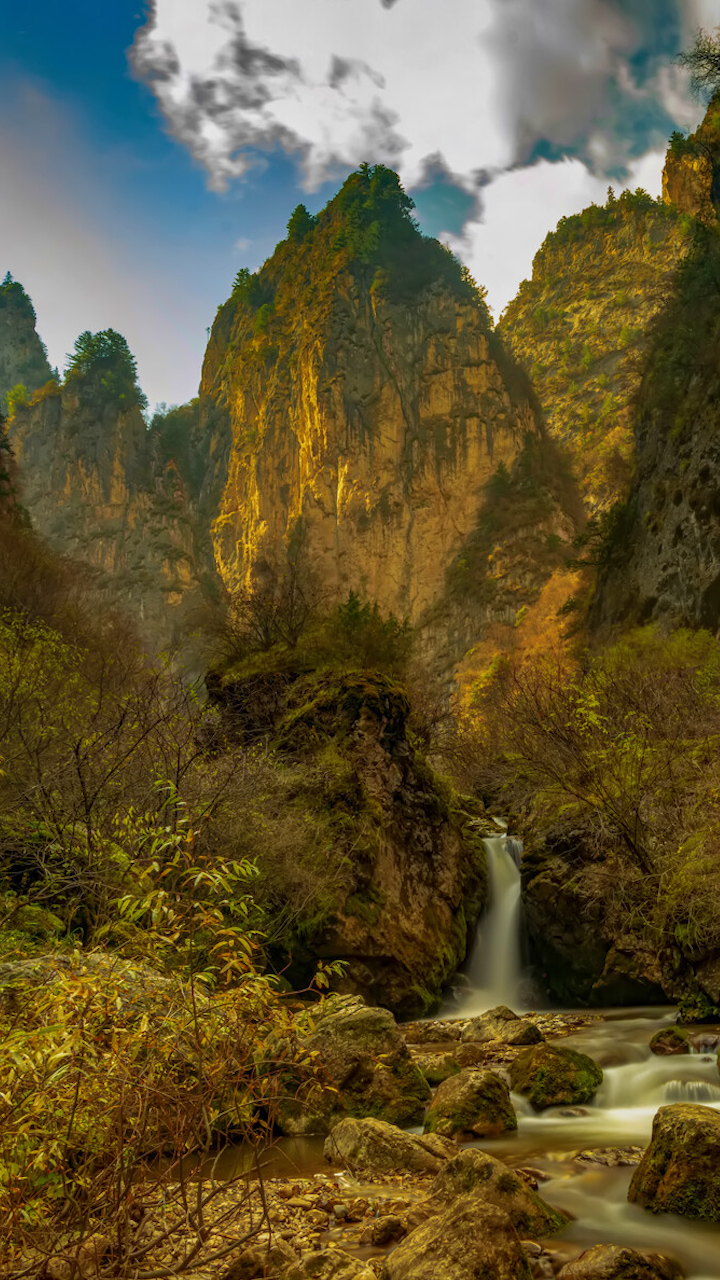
(580, 328)
(365, 234)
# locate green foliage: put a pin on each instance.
(300, 224)
(366, 637)
(173, 428)
(17, 398)
(103, 367)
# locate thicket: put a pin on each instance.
(102, 367)
(623, 747)
(132, 1003)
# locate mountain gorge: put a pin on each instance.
(381, 680)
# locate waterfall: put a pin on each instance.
(494, 970)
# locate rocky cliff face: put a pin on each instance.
(376, 424)
(99, 489)
(666, 561)
(410, 875)
(691, 179)
(580, 327)
(23, 358)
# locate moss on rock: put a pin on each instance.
(473, 1102)
(680, 1171)
(552, 1077)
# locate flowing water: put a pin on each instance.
(494, 971)
(636, 1083)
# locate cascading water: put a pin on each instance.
(493, 975)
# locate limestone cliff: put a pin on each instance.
(374, 419)
(99, 487)
(667, 561)
(691, 179)
(23, 358)
(580, 327)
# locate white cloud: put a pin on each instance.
(479, 83)
(61, 238)
(522, 207)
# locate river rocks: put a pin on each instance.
(555, 1077)
(436, 1067)
(261, 1262)
(501, 1024)
(610, 1262)
(378, 1147)
(473, 1102)
(329, 1264)
(468, 1240)
(80, 1264)
(485, 1180)
(368, 1065)
(670, 1040)
(680, 1171)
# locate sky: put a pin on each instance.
(149, 150)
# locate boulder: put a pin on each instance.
(501, 1024)
(436, 1067)
(486, 1181)
(670, 1040)
(329, 1264)
(680, 1171)
(554, 1077)
(378, 1147)
(368, 1069)
(83, 1263)
(468, 1240)
(610, 1262)
(262, 1262)
(473, 1102)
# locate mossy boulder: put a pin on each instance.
(503, 1025)
(490, 1182)
(327, 1264)
(466, 1241)
(669, 1041)
(554, 1077)
(611, 1262)
(472, 1102)
(367, 1065)
(680, 1171)
(410, 873)
(377, 1147)
(437, 1067)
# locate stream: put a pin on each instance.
(636, 1082)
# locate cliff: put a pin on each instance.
(102, 488)
(691, 179)
(374, 421)
(580, 327)
(23, 358)
(666, 561)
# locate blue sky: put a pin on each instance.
(124, 205)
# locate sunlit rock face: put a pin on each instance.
(691, 178)
(581, 327)
(377, 426)
(97, 489)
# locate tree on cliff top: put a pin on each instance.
(703, 63)
(104, 364)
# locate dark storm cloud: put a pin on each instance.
(594, 79)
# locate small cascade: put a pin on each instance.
(494, 971)
(705, 1091)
